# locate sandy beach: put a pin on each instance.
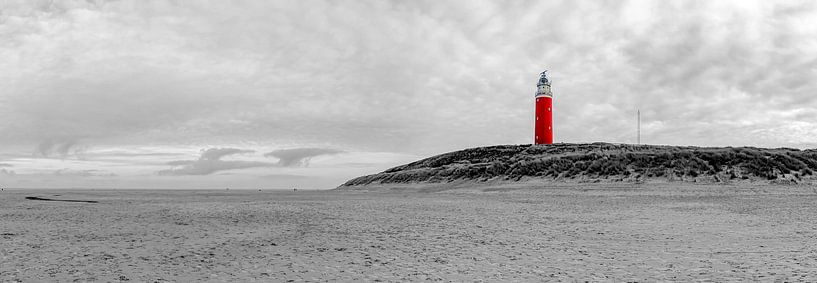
(606, 233)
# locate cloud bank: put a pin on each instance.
(210, 162)
(299, 156)
(51, 148)
(415, 77)
(83, 173)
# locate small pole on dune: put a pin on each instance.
(638, 138)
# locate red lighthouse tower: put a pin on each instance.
(543, 131)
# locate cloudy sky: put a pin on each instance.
(281, 94)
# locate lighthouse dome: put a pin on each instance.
(543, 78)
(543, 86)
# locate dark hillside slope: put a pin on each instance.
(602, 162)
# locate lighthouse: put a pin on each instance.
(543, 128)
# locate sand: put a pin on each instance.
(582, 233)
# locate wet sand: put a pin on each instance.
(674, 232)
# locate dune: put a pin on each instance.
(594, 163)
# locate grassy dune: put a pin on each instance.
(603, 162)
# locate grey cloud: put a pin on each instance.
(285, 176)
(83, 173)
(210, 162)
(217, 153)
(181, 162)
(7, 172)
(60, 148)
(6, 165)
(299, 156)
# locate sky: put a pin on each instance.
(307, 94)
